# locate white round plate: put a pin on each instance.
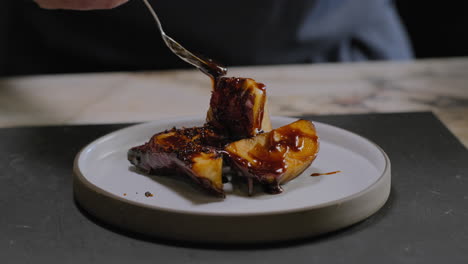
(106, 185)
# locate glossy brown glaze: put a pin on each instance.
(186, 142)
(326, 173)
(283, 141)
(270, 160)
(290, 138)
(232, 104)
(268, 157)
(176, 151)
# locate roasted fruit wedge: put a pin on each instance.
(238, 108)
(276, 157)
(187, 151)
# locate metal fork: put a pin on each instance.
(207, 66)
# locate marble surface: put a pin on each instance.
(439, 85)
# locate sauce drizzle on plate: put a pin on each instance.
(326, 173)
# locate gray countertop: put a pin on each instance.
(424, 220)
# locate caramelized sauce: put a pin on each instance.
(232, 105)
(291, 138)
(326, 173)
(270, 160)
(186, 143)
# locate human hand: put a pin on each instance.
(80, 4)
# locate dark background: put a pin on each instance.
(436, 29)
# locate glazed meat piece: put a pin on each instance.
(276, 157)
(238, 108)
(187, 151)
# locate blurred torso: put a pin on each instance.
(241, 32)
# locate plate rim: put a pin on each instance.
(78, 175)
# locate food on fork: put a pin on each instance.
(238, 108)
